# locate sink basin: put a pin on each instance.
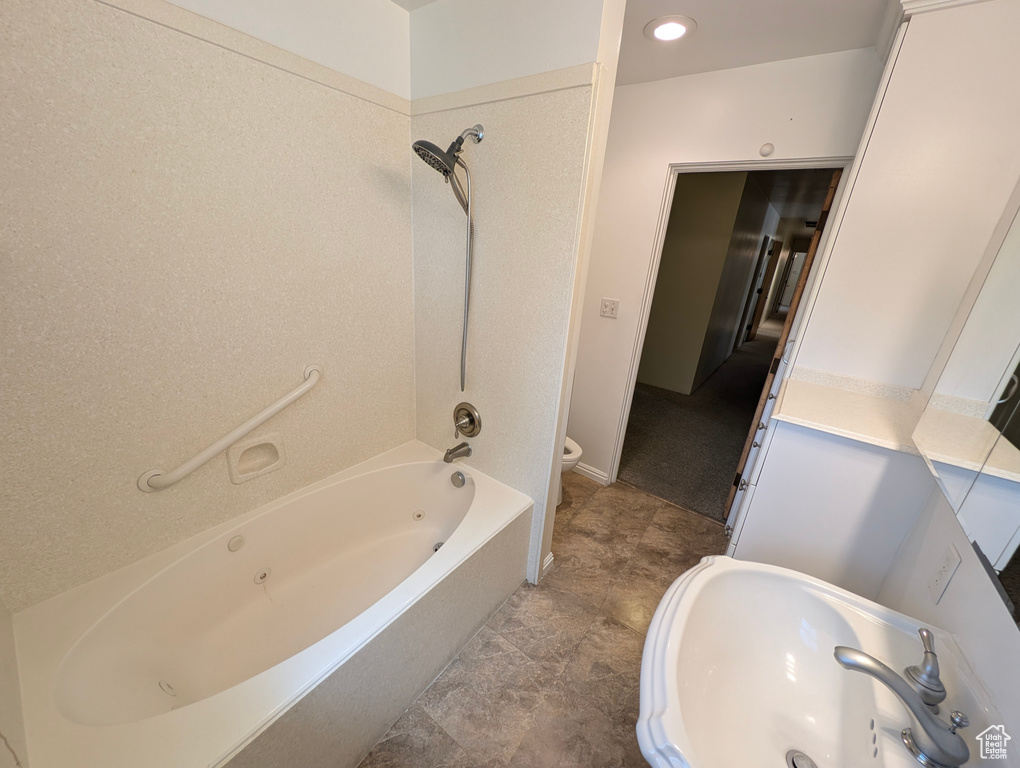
(738, 669)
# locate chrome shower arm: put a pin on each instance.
(476, 133)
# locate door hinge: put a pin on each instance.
(728, 531)
(736, 479)
(743, 485)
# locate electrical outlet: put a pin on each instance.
(610, 308)
(947, 566)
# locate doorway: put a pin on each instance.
(736, 247)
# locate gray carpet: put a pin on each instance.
(685, 448)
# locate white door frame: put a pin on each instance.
(673, 171)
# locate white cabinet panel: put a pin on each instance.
(937, 171)
(831, 507)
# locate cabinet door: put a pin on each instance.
(937, 170)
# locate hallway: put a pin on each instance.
(685, 448)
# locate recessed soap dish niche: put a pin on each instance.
(255, 457)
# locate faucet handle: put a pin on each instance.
(466, 421)
(958, 720)
(925, 677)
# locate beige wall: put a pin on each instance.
(527, 191)
(755, 219)
(814, 107)
(195, 216)
(12, 729)
(366, 39)
(694, 251)
(185, 229)
(461, 44)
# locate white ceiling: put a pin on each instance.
(737, 33)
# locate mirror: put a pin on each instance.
(990, 514)
(969, 432)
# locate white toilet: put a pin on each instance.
(571, 455)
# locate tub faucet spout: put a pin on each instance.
(463, 449)
(930, 740)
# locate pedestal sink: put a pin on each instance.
(738, 670)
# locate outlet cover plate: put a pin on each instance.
(610, 308)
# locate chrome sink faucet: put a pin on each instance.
(462, 449)
(932, 742)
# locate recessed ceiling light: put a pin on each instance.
(667, 28)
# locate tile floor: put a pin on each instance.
(552, 678)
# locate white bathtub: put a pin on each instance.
(182, 658)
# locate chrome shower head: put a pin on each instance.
(434, 156)
(444, 162)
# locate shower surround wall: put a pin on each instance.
(191, 217)
(528, 178)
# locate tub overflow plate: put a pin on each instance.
(797, 759)
(262, 574)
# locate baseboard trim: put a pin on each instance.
(592, 474)
(547, 564)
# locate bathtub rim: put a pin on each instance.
(46, 632)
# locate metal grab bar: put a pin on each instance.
(157, 479)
